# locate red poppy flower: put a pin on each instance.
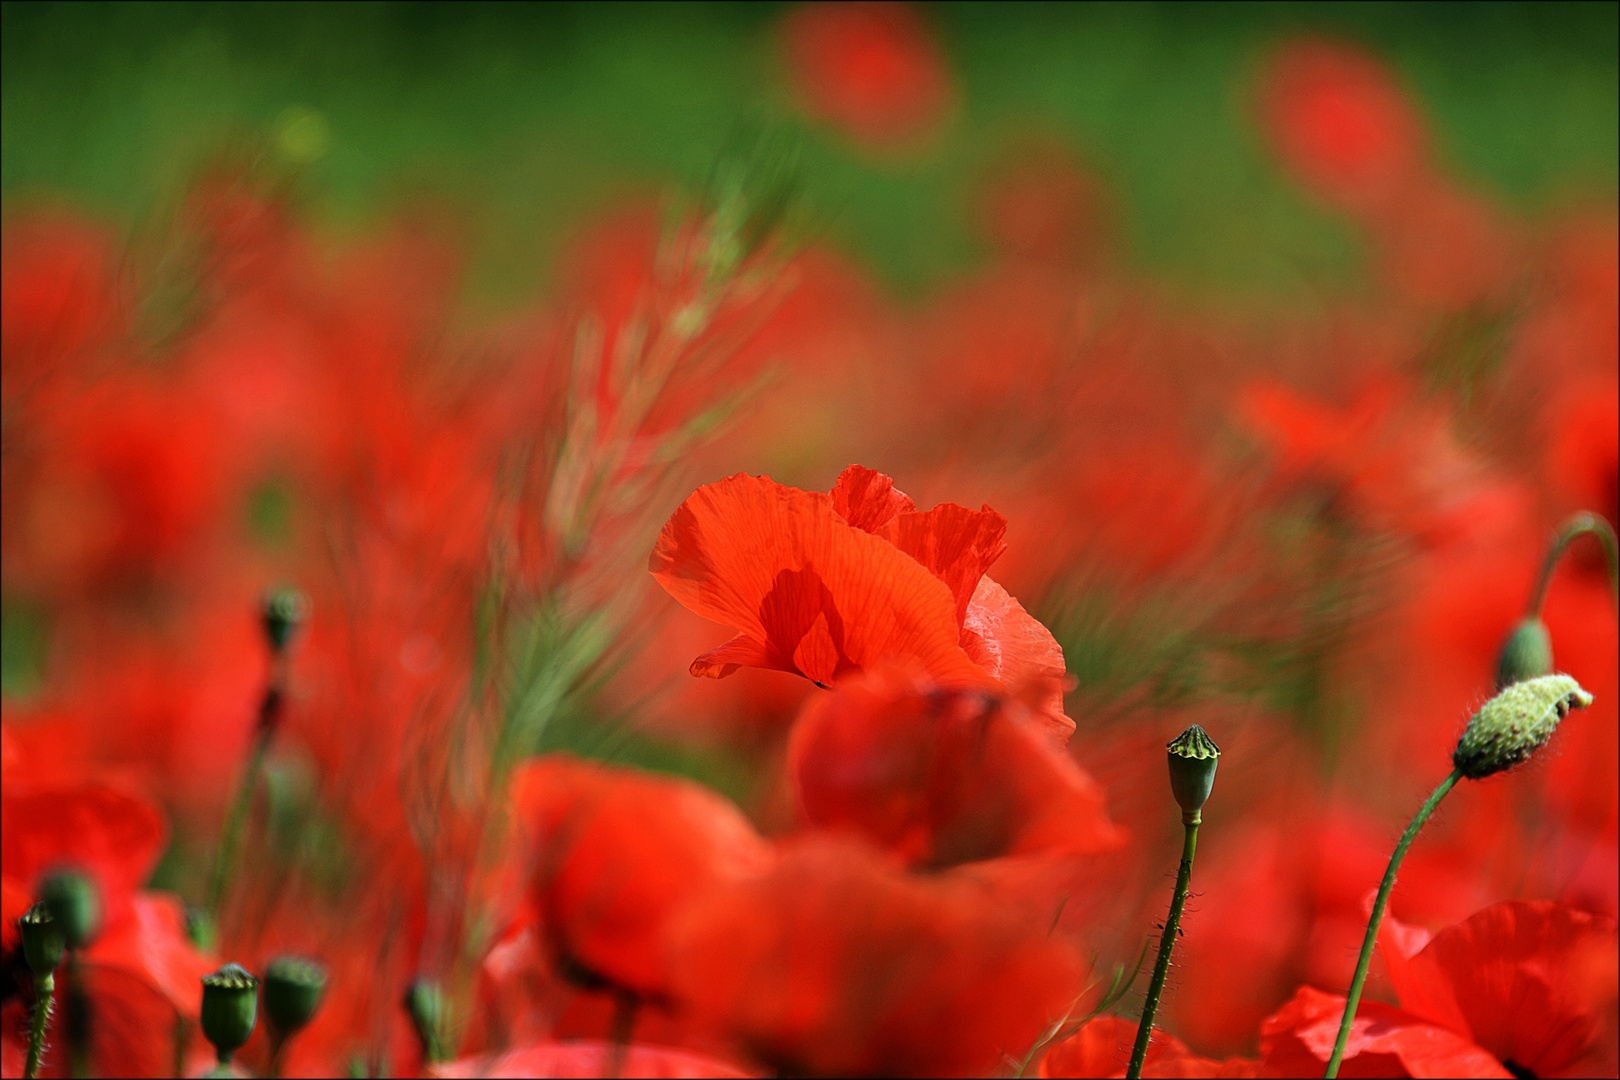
(941, 776)
(834, 964)
(617, 854)
(1532, 982)
(1384, 1041)
(829, 585)
(1341, 122)
(1103, 1048)
(872, 69)
(589, 1058)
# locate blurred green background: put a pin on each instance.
(529, 118)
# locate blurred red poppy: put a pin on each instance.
(1103, 1048)
(590, 1058)
(872, 69)
(940, 776)
(834, 964)
(1298, 1041)
(616, 855)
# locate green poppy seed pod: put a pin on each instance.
(230, 1007)
(1193, 758)
(75, 903)
(293, 988)
(1526, 654)
(285, 609)
(41, 940)
(1515, 724)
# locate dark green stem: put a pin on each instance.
(235, 822)
(1578, 525)
(76, 1017)
(44, 990)
(1161, 967)
(619, 1034)
(1364, 961)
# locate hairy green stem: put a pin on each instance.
(1577, 525)
(1364, 961)
(1161, 967)
(44, 990)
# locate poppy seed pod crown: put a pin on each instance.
(1193, 758)
(1526, 654)
(230, 1007)
(41, 940)
(1515, 724)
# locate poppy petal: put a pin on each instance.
(1103, 1048)
(1014, 647)
(1384, 1041)
(867, 499)
(588, 1058)
(772, 561)
(957, 544)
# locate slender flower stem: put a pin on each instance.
(1161, 968)
(1578, 525)
(231, 836)
(44, 990)
(1353, 998)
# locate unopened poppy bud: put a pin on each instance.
(1193, 757)
(41, 941)
(75, 903)
(1526, 654)
(1515, 724)
(293, 988)
(285, 609)
(424, 1001)
(230, 1007)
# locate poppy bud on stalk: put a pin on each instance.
(293, 988)
(1516, 723)
(1526, 654)
(285, 609)
(1193, 758)
(75, 905)
(230, 1008)
(41, 941)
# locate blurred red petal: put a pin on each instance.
(1298, 1040)
(1103, 1048)
(590, 1059)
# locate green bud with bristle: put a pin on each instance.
(1526, 654)
(293, 988)
(1193, 758)
(1516, 723)
(424, 1001)
(75, 903)
(230, 1008)
(285, 609)
(41, 941)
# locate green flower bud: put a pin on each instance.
(75, 903)
(230, 1007)
(1193, 758)
(424, 1001)
(1515, 724)
(285, 609)
(293, 988)
(41, 940)
(1526, 654)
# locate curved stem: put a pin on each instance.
(1161, 967)
(1364, 960)
(44, 990)
(1577, 525)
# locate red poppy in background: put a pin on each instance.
(1533, 982)
(834, 964)
(829, 585)
(873, 70)
(1103, 1048)
(940, 776)
(618, 854)
(1341, 122)
(588, 1058)
(1384, 1041)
